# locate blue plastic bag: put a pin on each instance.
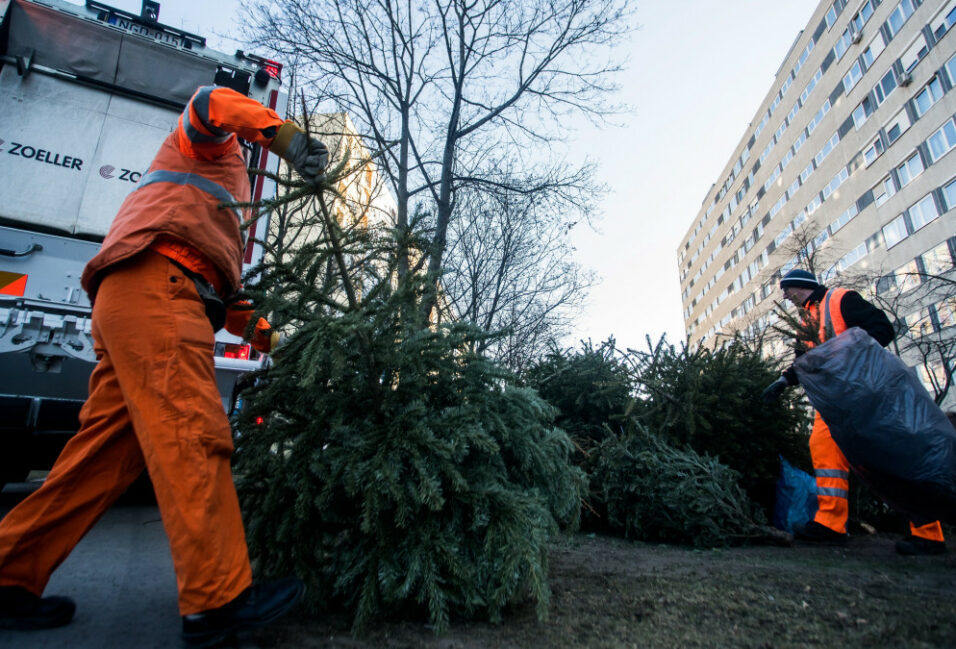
(796, 502)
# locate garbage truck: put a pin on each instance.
(87, 95)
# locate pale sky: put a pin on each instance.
(698, 71)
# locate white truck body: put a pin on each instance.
(87, 95)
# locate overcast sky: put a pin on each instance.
(698, 71)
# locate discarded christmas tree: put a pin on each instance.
(378, 457)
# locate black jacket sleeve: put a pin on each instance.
(857, 312)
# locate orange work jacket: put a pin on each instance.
(198, 167)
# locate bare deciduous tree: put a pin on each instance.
(509, 266)
(439, 86)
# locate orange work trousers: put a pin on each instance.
(832, 472)
(153, 403)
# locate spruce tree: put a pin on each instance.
(378, 457)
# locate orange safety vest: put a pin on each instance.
(818, 312)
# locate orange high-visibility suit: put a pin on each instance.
(153, 399)
(831, 469)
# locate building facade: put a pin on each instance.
(847, 170)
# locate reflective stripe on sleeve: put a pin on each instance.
(200, 103)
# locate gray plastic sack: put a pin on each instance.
(885, 422)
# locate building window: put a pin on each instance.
(873, 151)
(937, 260)
(779, 134)
(830, 17)
(862, 112)
(873, 50)
(910, 169)
(923, 212)
(928, 96)
(899, 16)
(843, 219)
(895, 231)
(942, 141)
(762, 124)
(778, 206)
(852, 257)
(862, 15)
(852, 77)
(827, 148)
(885, 87)
(914, 54)
(946, 312)
(897, 126)
(951, 70)
(810, 86)
(813, 205)
(799, 141)
(933, 375)
(837, 180)
(883, 191)
(780, 238)
(815, 121)
(919, 323)
(842, 44)
(907, 276)
(944, 20)
(806, 172)
(949, 194)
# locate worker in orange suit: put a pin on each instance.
(171, 254)
(831, 469)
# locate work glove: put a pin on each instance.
(264, 337)
(307, 155)
(773, 391)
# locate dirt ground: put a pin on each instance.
(609, 592)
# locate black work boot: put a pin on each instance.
(21, 610)
(916, 545)
(814, 532)
(258, 605)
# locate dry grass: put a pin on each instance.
(613, 593)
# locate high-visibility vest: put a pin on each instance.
(818, 313)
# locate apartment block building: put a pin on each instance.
(848, 162)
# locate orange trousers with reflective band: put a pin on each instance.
(153, 403)
(833, 484)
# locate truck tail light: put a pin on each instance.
(237, 351)
(274, 69)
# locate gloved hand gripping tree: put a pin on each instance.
(378, 457)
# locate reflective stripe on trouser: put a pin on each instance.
(930, 531)
(832, 473)
(154, 402)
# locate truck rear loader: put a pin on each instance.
(87, 95)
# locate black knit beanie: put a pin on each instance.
(799, 278)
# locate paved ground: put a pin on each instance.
(121, 576)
